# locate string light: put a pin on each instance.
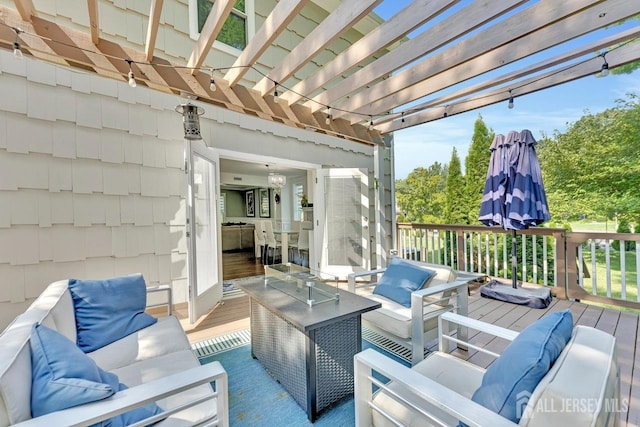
(212, 83)
(510, 104)
(132, 79)
(604, 70)
(17, 53)
(328, 119)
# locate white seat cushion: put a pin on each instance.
(396, 319)
(163, 337)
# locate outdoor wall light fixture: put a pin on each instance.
(604, 70)
(190, 120)
(510, 104)
(132, 79)
(17, 53)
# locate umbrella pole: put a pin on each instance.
(514, 260)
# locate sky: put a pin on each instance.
(541, 112)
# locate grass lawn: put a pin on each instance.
(600, 227)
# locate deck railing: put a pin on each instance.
(589, 266)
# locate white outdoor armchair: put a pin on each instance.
(581, 387)
(413, 327)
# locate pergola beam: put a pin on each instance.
(94, 21)
(25, 9)
(415, 14)
(514, 76)
(621, 56)
(338, 21)
(281, 15)
(512, 34)
(440, 34)
(152, 29)
(219, 13)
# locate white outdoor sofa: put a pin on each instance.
(414, 327)
(581, 388)
(156, 363)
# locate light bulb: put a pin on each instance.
(276, 98)
(510, 104)
(212, 85)
(604, 71)
(328, 119)
(17, 53)
(132, 80)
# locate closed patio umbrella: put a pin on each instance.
(514, 196)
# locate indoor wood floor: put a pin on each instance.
(230, 315)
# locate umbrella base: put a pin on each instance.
(529, 295)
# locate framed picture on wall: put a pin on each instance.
(265, 205)
(250, 203)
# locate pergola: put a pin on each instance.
(465, 57)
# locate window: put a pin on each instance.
(223, 203)
(298, 192)
(234, 32)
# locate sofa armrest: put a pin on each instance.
(460, 288)
(425, 392)
(169, 301)
(351, 278)
(446, 320)
(143, 394)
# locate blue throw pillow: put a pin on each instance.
(63, 377)
(522, 365)
(400, 279)
(110, 309)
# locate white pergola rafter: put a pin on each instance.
(25, 9)
(624, 55)
(513, 35)
(588, 49)
(152, 29)
(341, 19)
(412, 16)
(276, 22)
(94, 21)
(442, 33)
(210, 30)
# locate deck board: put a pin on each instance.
(234, 315)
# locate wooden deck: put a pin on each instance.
(233, 315)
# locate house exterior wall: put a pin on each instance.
(92, 181)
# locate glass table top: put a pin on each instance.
(309, 286)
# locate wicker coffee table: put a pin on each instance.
(308, 348)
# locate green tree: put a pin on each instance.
(593, 168)
(420, 196)
(476, 165)
(455, 212)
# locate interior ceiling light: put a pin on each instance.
(276, 180)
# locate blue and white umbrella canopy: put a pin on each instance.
(514, 196)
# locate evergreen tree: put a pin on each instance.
(476, 165)
(454, 206)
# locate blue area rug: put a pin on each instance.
(256, 399)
